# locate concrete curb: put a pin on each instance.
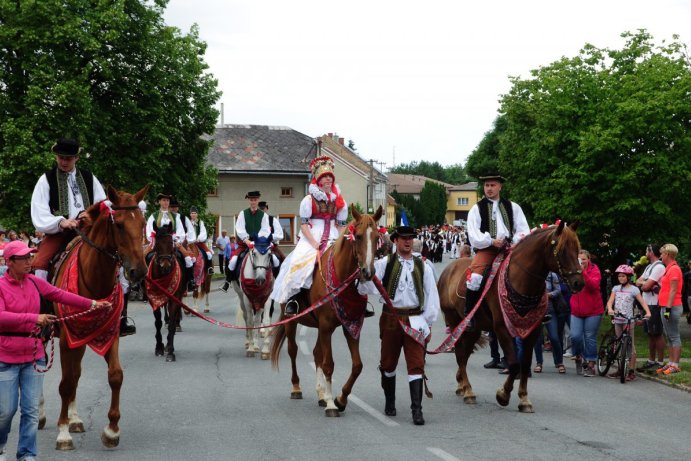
(655, 379)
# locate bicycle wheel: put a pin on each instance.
(624, 357)
(606, 354)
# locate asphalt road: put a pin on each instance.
(214, 403)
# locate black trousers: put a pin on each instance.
(221, 263)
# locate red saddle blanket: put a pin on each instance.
(99, 328)
(518, 324)
(170, 282)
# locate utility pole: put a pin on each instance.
(370, 195)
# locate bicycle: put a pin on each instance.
(616, 348)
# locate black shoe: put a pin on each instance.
(492, 364)
(126, 329)
(210, 270)
(503, 364)
(225, 287)
(369, 311)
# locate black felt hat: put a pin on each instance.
(163, 195)
(174, 201)
(253, 194)
(194, 209)
(263, 205)
(403, 231)
(66, 147)
(493, 176)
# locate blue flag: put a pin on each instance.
(404, 218)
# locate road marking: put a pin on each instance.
(442, 454)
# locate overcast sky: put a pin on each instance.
(418, 79)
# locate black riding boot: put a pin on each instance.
(189, 271)
(369, 312)
(416, 401)
(471, 298)
(125, 328)
(389, 386)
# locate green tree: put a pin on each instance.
(135, 92)
(604, 138)
(434, 199)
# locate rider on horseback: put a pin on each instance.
(200, 232)
(166, 218)
(323, 214)
(276, 236)
(252, 223)
(190, 237)
(492, 222)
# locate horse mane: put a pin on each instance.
(543, 233)
(341, 238)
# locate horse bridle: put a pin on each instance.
(116, 255)
(254, 266)
(554, 241)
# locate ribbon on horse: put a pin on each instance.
(199, 271)
(97, 329)
(350, 305)
(522, 314)
(257, 294)
(169, 283)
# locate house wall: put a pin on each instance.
(454, 210)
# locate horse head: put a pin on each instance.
(116, 229)
(364, 237)
(258, 261)
(164, 249)
(565, 247)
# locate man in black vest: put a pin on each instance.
(411, 285)
(59, 197)
(276, 236)
(493, 222)
(252, 223)
(190, 238)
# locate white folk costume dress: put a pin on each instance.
(323, 216)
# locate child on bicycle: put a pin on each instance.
(621, 302)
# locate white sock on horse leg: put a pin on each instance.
(40, 273)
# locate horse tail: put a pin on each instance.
(481, 342)
(279, 335)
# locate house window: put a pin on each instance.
(213, 192)
(462, 201)
(288, 225)
(286, 191)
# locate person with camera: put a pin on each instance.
(649, 284)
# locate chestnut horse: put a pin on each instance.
(552, 249)
(113, 238)
(202, 280)
(352, 252)
(253, 289)
(165, 269)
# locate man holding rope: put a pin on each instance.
(411, 286)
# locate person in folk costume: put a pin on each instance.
(60, 196)
(454, 240)
(492, 223)
(202, 236)
(323, 215)
(190, 237)
(412, 288)
(166, 218)
(275, 238)
(252, 225)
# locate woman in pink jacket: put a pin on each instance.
(19, 316)
(586, 312)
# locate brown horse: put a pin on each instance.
(354, 252)
(112, 239)
(552, 249)
(202, 280)
(166, 270)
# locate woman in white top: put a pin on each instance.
(323, 214)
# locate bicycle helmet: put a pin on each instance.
(624, 269)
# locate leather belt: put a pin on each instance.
(409, 311)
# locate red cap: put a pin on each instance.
(17, 248)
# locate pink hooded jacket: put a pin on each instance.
(19, 309)
(588, 302)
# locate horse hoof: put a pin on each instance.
(249, 354)
(296, 395)
(41, 422)
(322, 403)
(159, 351)
(332, 413)
(206, 311)
(340, 407)
(526, 408)
(64, 445)
(77, 427)
(265, 356)
(170, 358)
(470, 400)
(501, 400)
(109, 442)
